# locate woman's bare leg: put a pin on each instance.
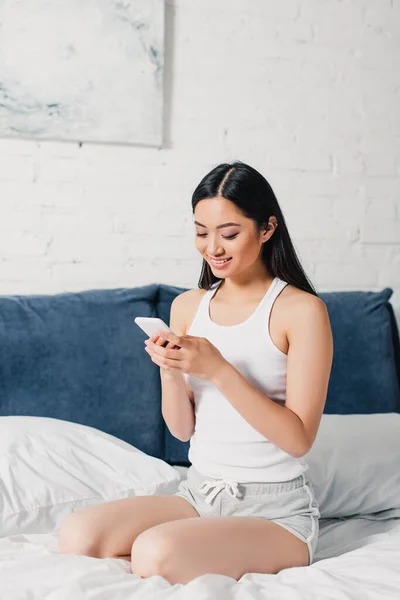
(109, 529)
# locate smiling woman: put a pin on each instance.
(247, 386)
(255, 354)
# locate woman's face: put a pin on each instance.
(226, 239)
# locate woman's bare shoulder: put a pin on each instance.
(189, 298)
(187, 304)
(295, 303)
(292, 307)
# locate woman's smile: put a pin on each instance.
(219, 264)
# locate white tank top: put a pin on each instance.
(224, 444)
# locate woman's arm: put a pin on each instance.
(177, 398)
(292, 427)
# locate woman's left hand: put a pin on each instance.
(195, 356)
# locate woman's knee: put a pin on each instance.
(79, 535)
(150, 552)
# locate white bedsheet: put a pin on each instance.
(356, 559)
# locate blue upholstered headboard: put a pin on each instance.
(79, 357)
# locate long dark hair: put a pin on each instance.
(253, 195)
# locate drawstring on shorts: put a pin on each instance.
(217, 485)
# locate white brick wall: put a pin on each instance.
(306, 91)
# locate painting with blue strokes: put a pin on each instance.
(82, 70)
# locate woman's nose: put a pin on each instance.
(214, 249)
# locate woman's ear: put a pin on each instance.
(265, 233)
(268, 229)
(273, 223)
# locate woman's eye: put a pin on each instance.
(226, 237)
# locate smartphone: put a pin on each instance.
(152, 324)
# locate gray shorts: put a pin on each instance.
(291, 504)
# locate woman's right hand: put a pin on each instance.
(155, 338)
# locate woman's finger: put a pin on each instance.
(174, 340)
(160, 341)
(164, 353)
(164, 363)
(155, 338)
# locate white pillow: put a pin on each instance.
(354, 465)
(50, 468)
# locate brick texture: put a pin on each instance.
(305, 91)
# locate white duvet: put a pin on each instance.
(50, 468)
(357, 559)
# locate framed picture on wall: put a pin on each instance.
(84, 71)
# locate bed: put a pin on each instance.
(356, 557)
(72, 434)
